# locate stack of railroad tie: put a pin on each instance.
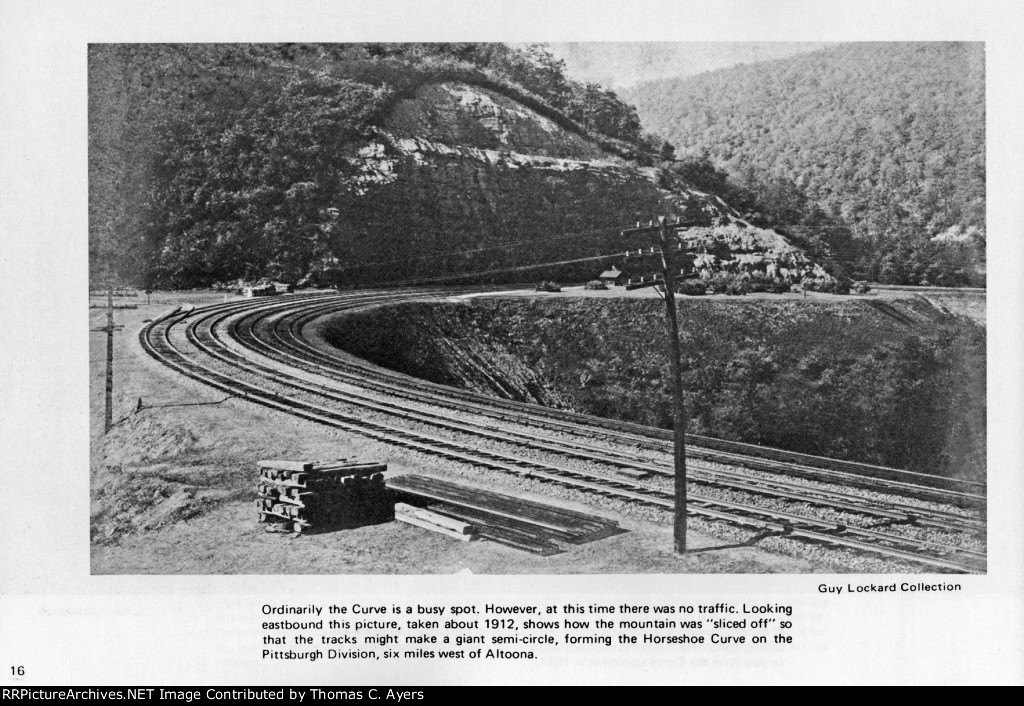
(322, 494)
(539, 528)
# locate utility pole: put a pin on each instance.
(678, 406)
(108, 411)
(670, 272)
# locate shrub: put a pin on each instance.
(816, 285)
(829, 285)
(761, 282)
(737, 287)
(718, 282)
(692, 287)
(728, 283)
(547, 286)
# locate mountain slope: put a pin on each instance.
(355, 164)
(887, 138)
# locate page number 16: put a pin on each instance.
(18, 671)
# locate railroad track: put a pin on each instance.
(847, 472)
(280, 341)
(288, 337)
(258, 351)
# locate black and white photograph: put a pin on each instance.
(440, 307)
(349, 312)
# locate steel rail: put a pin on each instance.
(245, 330)
(957, 491)
(792, 524)
(369, 376)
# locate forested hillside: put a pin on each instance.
(214, 162)
(876, 151)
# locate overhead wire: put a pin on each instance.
(518, 268)
(534, 241)
(502, 246)
(838, 258)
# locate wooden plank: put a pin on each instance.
(488, 520)
(527, 510)
(283, 483)
(409, 519)
(482, 519)
(542, 508)
(517, 507)
(533, 545)
(440, 520)
(518, 514)
(289, 490)
(286, 465)
(330, 462)
(360, 469)
(342, 474)
(433, 495)
(594, 535)
(271, 514)
(282, 499)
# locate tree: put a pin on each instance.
(249, 189)
(668, 152)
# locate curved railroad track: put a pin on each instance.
(269, 352)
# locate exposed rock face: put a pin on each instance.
(457, 114)
(739, 248)
(460, 169)
(378, 161)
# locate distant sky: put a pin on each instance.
(622, 64)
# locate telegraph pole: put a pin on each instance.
(670, 272)
(108, 411)
(678, 406)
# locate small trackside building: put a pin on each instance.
(614, 277)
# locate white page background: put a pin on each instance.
(67, 626)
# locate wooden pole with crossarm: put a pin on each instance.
(671, 273)
(109, 329)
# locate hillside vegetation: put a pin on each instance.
(901, 384)
(366, 163)
(214, 162)
(873, 154)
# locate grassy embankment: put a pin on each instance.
(899, 383)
